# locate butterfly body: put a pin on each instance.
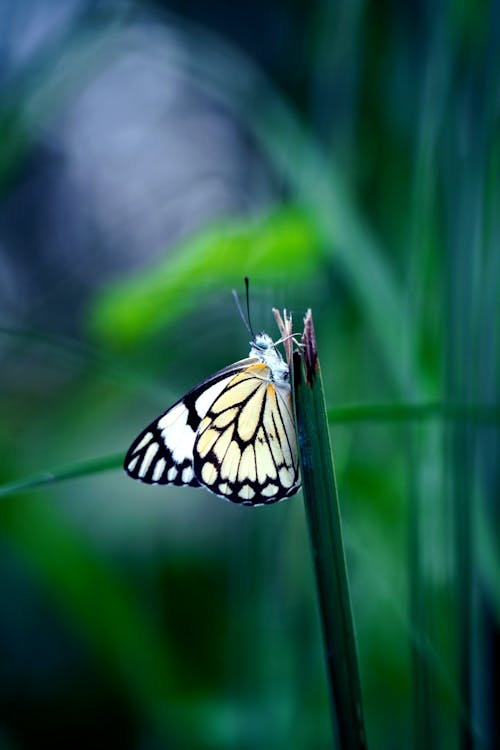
(233, 434)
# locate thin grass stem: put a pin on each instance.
(323, 515)
(76, 470)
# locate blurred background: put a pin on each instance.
(345, 155)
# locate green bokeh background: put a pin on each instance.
(136, 617)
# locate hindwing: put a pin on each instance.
(245, 448)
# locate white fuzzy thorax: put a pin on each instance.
(263, 348)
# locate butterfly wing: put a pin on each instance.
(163, 452)
(245, 448)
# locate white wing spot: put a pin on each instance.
(270, 491)
(184, 441)
(148, 457)
(159, 469)
(172, 416)
(246, 492)
(133, 463)
(187, 474)
(176, 433)
(207, 398)
(286, 476)
(209, 473)
(145, 440)
(172, 473)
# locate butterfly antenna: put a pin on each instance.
(240, 311)
(247, 287)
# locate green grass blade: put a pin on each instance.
(76, 470)
(323, 515)
(408, 412)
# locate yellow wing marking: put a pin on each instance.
(235, 393)
(222, 442)
(285, 427)
(264, 459)
(247, 469)
(246, 448)
(249, 416)
(225, 418)
(213, 439)
(229, 466)
(253, 371)
(209, 473)
(275, 430)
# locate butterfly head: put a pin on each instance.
(262, 342)
(264, 349)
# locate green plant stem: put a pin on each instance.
(323, 515)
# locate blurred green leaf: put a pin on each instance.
(284, 244)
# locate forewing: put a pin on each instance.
(163, 452)
(245, 449)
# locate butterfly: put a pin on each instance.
(233, 433)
